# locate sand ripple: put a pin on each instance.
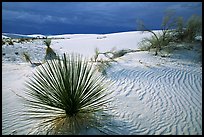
(158, 100)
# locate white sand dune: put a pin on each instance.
(13, 35)
(86, 43)
(160, 99)
(4, 37)
(37, 36)
(152, 95)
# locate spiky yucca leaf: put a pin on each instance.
(67, 94)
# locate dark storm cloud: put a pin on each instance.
(89, 17)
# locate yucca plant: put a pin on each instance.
(49, 54)
(27, 57)
(67, 95)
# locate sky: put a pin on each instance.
(49, 18)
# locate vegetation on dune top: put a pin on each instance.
(173, 30)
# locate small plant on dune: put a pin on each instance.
(10, 42)
(186, 32)
(169, 37)
(102, 66)
(26, 56)
(178, 34)
(148, 43)
(162, 39)
(68, 95)
(112, 54)
(50, 54)
(96, 54)
(121, 53)
(22, 40)
(193, 28)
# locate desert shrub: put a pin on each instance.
(120, 53)
(102, 66)
(193, 28)
(67, 95)
(186, 32)
(22, 40)
(178, 33)
(149, 43)
(182, 32)
(10, 42)
(165, 40)
(144, 45)
(157, 41)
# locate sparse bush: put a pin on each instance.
(182, 32)
(158, 41)
(102, 66)
(67, 95)
(120, 53)
(193, 28)
(10, 42)
(22, 40)
(178, 34)
(187, 32)
(148, 43)
(144, 45)
(153, 42)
